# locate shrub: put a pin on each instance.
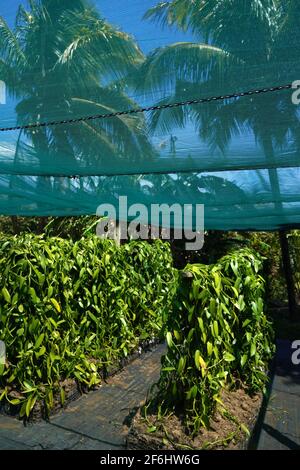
(68, 309)
(294, 244)
(217, 336)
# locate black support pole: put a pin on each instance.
(288, 272)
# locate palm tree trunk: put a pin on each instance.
(12, 181)
(288, 272)
(285, 254)
(15, 225)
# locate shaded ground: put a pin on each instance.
(95, 421)
(280, 428)
(99, 420)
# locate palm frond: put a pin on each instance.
(10, 48)
(176, 12)
(181, 61)
(97, 45)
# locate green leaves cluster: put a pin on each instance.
(217, 336)
(294, 245)
(68, 309)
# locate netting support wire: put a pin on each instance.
(146, 109)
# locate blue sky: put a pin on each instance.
(129, 18)
(126, 14)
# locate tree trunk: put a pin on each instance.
(288, 272)
(15, 225)
(286, 260)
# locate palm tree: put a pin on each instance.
(242, 38)
(257, 42)
(63, 60)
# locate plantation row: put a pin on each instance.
(69, 309)
(218, 335)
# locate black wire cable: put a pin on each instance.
(149, 108)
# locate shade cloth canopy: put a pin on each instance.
(67, 59)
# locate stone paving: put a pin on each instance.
(94, 421)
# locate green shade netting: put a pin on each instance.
(62, 60)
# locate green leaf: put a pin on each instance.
(218, 399)
(56, 304)
(106, 259)
(245, 429)
(33, 295)
(30, 404)
(39, 341)
(192, 393)
(216, 328)
(248, 336)
(181, 365)
(95, 319)
(41, 352)
(15, 401)
(177, 335)
(212, 305)
(50, 292)
(151, 429)
(29, 387)
(201, 325)
(23, 409)
(217, 283)
(228, 357)
(252, 350)
(234, 266)
(244, 359)
(169, 339)
(209, 348)
(6, 295)
(235, 291)
(199, 361)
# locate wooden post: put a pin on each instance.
(288, 272)
(15, 225)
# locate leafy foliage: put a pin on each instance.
(68, 309)
(63, 227)
(217, 335)
(294, 244)
(268, 245)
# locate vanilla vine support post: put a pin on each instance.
(288, 272)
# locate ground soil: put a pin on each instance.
(225, 430)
